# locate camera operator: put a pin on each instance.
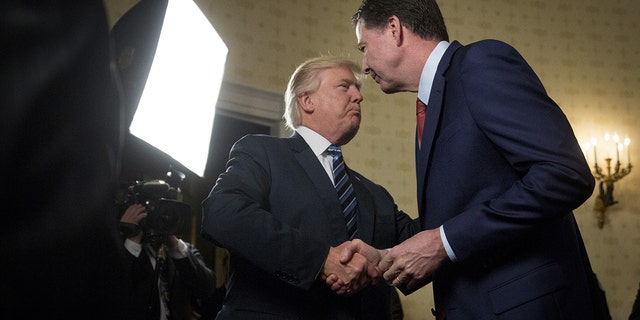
(168, 279)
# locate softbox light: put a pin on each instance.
(173, 87)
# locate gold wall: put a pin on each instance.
(586, 52)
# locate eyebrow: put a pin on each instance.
(357, 83)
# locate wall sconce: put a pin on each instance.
(607, 178)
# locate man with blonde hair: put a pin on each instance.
(285, 207)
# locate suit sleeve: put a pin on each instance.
(195, 274)
(510, 106)
(406, 227)
(237, 217)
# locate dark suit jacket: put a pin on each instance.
(59, 141)
(277, 212)
(501, 169)
(189, 281)
(635, 310)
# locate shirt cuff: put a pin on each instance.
(133, 247)
(180, 252)
(447, 246)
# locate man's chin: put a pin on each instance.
(387, 89)
(349, 135)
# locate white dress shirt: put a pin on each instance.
(319, 147)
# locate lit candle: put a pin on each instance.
(618, 151)
(616, 138)
(594, 141)
(586, 151)
(607, 137)
(627, 141)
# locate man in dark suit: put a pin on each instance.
(499, 172)
(169, 279)
(278, 213)
(60, 141)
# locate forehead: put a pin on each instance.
(364, 34)
(337, 73)
(359, 28)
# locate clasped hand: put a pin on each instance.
(354, 265)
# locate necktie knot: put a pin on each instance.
(421, 110)
(334, 151)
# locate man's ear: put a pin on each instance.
(304, 100)
(395, 27)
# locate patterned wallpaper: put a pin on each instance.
(586, 52)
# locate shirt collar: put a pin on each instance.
(317, 142)
(429, 71)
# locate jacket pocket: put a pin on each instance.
(527, 287)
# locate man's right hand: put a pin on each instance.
(134, 214)
(345, 277)
(373, 256)
(352, 252)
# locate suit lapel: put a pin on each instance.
(323, 186)
(434, 109)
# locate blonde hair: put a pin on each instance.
(304, 80)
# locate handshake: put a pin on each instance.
(354, 265)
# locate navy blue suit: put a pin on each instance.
(501, 169)
(277, 212)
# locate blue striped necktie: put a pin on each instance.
(345, 191)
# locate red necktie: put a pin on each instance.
(421, 109)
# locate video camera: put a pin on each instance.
(165, 215)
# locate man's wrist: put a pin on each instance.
(447, 246)
(133, 247)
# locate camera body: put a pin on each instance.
(165, 215)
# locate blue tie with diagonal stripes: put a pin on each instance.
(345, 191)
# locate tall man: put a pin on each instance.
(279, 210)
(498, 170)
(60, 140)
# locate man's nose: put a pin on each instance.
(365, 68)
(357, 97)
